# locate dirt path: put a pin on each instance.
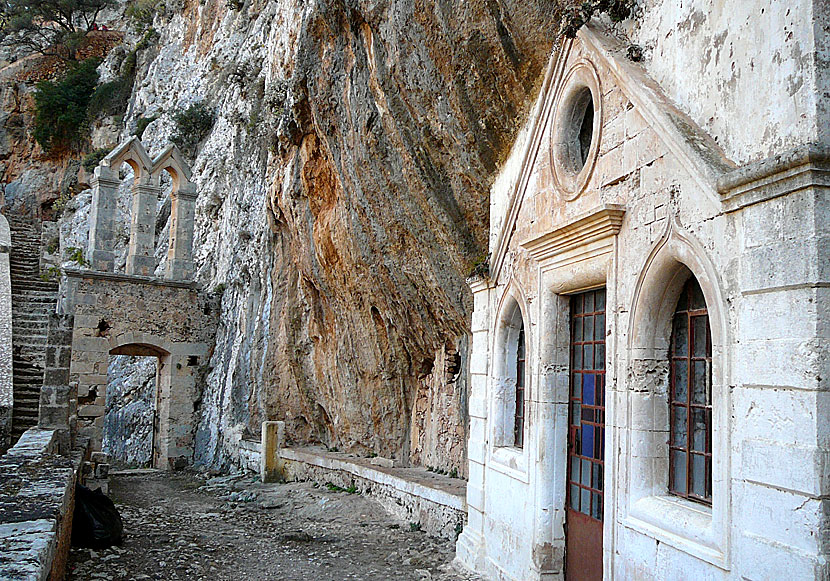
(177, 526)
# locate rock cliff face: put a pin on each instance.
(343, 199)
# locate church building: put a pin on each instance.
(649, 371)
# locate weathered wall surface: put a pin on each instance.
(723, 48)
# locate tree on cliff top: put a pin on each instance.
(50, 27)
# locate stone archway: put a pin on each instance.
(125, 315)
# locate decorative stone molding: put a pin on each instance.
(586, 237)
(799, 168)
(580, 88)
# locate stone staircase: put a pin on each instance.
(33, 299)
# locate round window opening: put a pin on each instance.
(576, 131)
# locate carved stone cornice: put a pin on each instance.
(799, 168)
(588, 236)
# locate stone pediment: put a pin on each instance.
(600, 61)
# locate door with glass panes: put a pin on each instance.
(586, 437)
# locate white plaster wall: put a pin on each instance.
(745, 71)
(770, 270)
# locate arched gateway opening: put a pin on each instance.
(133, 406)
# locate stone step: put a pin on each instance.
(33, 301)
(34, 289)
(40, 286)
(26, 399)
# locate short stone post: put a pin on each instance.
(140, 257)
(102, 219)
(182, 218)
(273, 438)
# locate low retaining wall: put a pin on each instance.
(37, 497)
(435, 503)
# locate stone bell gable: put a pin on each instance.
(614, 209)
(146, 190)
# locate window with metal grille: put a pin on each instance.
(690, 438)
(519, 419)
(586, 431)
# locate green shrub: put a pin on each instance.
(76, 255)
(141, 124)
(61, 106)
(140, 13)
(111, 98)
(192, 126)
(91, 160)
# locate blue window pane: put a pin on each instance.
(588, 389)
(587, 439)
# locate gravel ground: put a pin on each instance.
(179, 526)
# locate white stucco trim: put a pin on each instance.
(696, 529)
(501, 454)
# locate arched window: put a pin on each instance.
(510, 378)
(690, 440)
(519, 419)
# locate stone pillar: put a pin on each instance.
(102, 219)
(57, 400)
(273, 438)
(141, 258)
(550, 424)
(470, 545)
(182, 215)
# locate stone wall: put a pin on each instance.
(128, 315)
(37, 497)
(6, 387)
(439, 412)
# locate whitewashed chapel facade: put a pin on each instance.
(649, 395)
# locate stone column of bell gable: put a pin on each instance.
(470, 546)
(100, 253)
(141, 258)
(182, 221)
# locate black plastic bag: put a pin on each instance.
(96, 523)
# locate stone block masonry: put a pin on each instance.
(431, 502)
(118, 314)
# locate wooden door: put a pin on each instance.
(586, 438)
